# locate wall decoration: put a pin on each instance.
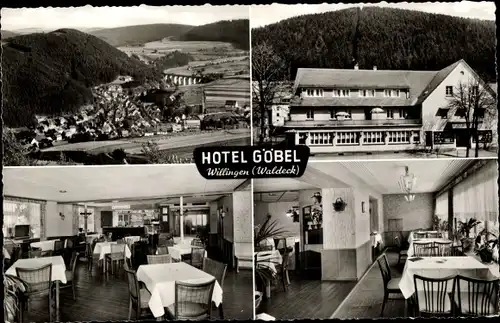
(363, 207)
(339, 205)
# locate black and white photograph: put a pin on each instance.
(378, 239)
(115, 85)
(383, 81)
(115, 243)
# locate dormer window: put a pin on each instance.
(393, 93)
(341, 93)
(366, 93)
(314, 92)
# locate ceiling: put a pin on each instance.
(105, 184)
(280, 184)
(272, 197)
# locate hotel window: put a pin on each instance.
(391, 93)
(402, 114)
(321, 138)
(314, 92)
(194, 222)
(90, 219)
(399, 137)
(373, 137)
(25, 215)
(449, 91)
(390, 114)
(341, 93)
(367, 93)
(310, 114)
(347, 138)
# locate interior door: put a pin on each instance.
(106, 219)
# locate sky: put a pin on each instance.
(109, 17)
(262, 15)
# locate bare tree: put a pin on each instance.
(267, 72)
(473, 101)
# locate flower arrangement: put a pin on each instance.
(485, 244)
(464, 229)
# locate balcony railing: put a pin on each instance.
(348, 123)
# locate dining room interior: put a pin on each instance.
(378, 239)
(132, 243)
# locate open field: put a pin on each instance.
(226, 66)
(200, 50)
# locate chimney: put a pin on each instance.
(374, 67)
(356, 67)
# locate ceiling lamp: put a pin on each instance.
(407, 184)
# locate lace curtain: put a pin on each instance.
(18, 212)
(442, 206)
(477, 197)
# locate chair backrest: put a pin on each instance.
(284, 263)
(442, 248)
(159, 259)
(197, 255)
(397, 241)
(419, 235)
(39, 279)
(74, 260)
(117, 249)
(58, 245)
(170, 243)
(162, 250)
(216, 269)
(433, 235)
(197, 242)
(423, 249)
(133, 285)
(35, 253)
(432, 294)
(199, 295)
(385, 270)
(477, 297)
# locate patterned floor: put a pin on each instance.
(365, 301)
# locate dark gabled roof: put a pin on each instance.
(420, 84)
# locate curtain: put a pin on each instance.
(442, 206)
(477, 197)
(22, 212)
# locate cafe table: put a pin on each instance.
(424, 240)
(440, 267)
(58, 272)
(47, 245)
(268, 259)
(179, 250)
(104, 248)
(160, 280)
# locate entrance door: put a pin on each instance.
(462, 138)
(373, 211)
(106, 219)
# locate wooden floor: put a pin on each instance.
(105, 298)
(313, 299)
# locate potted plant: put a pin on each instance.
(444, 227)
(263, 272)
(436, 222)
(464, 230)
(14, 289)
(485, 245)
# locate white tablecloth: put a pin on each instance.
(58, 266)
(426, 240)
(104, 248)
(177, 251)
(90, 237)
(160, 281)
(6, 254)
(132, 239)
(440, 267)
(46, 245)
(269, 259)
(375, 239)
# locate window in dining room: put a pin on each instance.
(90, 219)
(194, 223)
(21, 213)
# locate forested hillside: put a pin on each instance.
(53, 72)
(140, 34)
(7, 34)
(384, 37)
(231, 31)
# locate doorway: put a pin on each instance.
(373, 211)
(462, 138)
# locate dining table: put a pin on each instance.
(46, 245)
(268, 259)
(104, 248)
(441, 267)
(58, 273)
(160, 280)
(179, 250)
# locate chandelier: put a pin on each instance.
(407, 183)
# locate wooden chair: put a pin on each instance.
(35, 253)
(218, 270)
(434, 235)
(58, 248)
(443, 248)
(197, 255)
(162, 250)
(116, 256)
(197, 243)
(402, 253)
(71, 274)
(432, 296)
(419, 235)
(138, 297)
(159, 259)
(89, 253)
(39, 281)
(476, 297)
(423, 249)
(192, 301)
(391, 285)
